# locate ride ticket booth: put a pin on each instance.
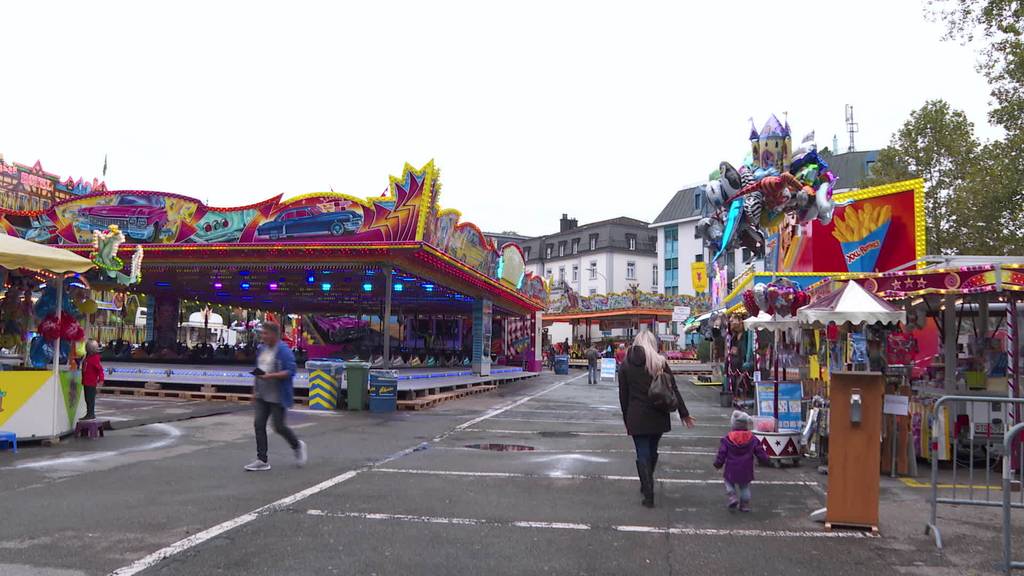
(38, 403)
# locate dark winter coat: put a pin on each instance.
(639, 414)
(736, 453)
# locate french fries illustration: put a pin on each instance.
(859, 223)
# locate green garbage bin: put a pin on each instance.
(357, 376)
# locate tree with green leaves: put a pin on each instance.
(936, 143)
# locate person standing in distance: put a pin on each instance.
(593, 357)
(92, 376)
(273, 396)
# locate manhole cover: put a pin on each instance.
(501, 447)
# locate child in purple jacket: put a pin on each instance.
(736, 453)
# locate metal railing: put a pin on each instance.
(983, 442)
(1008, 504)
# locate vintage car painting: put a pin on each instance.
(222, 226)
(140, 218)
(310, 221)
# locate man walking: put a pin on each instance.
(273, 395)
(593, 358)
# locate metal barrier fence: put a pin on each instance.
(983, 442)
(1008, 504)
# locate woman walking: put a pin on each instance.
(645, 423)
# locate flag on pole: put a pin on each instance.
(104, 165)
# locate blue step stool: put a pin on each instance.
(9, 440)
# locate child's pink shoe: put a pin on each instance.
(733, 502)
(745, 506)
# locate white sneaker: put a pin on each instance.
(257, 466)
(300, 454)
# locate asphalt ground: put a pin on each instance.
(408, 493)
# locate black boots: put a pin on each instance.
(654, 465)
(646, 474)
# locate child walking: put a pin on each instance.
(736, 453)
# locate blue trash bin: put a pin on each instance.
(562, 364)
(383, 390)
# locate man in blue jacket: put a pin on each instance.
(273, 395)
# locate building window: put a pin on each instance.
(575, 245)
(548, 274)
(593, 269)
(561, 274)
(593, 241)
(631, 241)
(671, 274)
(698, 257)
(592, 291)
(671, 242)
(630, 270)
(526, 253)
(561, 249)
(575, 272)
(547, 251)
(698, 200)
(654, 275)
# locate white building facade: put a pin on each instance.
(605, 257)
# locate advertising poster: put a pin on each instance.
(872, 230)
(790, 395)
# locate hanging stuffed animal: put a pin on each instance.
(730, 180)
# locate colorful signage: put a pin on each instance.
(699, 276)
(872, 230)
(790, 395)
(407, 214)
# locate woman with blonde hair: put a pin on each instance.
(645, 422)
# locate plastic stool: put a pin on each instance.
(90, 428)
(9, 440)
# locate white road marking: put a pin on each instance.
(562, 457)
(742, 532)
(200, 537)
(496, 431)
(585, 451)
(581, 477)
(171, 435)
(722, 426)
(444, 520)
(581, 526)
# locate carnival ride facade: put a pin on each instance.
(409, 281)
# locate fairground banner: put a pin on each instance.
(873, 230)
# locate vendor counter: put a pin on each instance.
(37, 404)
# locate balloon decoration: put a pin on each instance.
(781, 297)
(747, 200)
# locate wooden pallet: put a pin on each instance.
(427, 401)
(211, 395)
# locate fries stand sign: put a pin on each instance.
(872, 230)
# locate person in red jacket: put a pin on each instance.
(92, 376)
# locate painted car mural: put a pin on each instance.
(408, 212)
(311, 221)
(140, 218)
(222, 226)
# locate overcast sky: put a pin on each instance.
(530, 109)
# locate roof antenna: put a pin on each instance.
(851, 126)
